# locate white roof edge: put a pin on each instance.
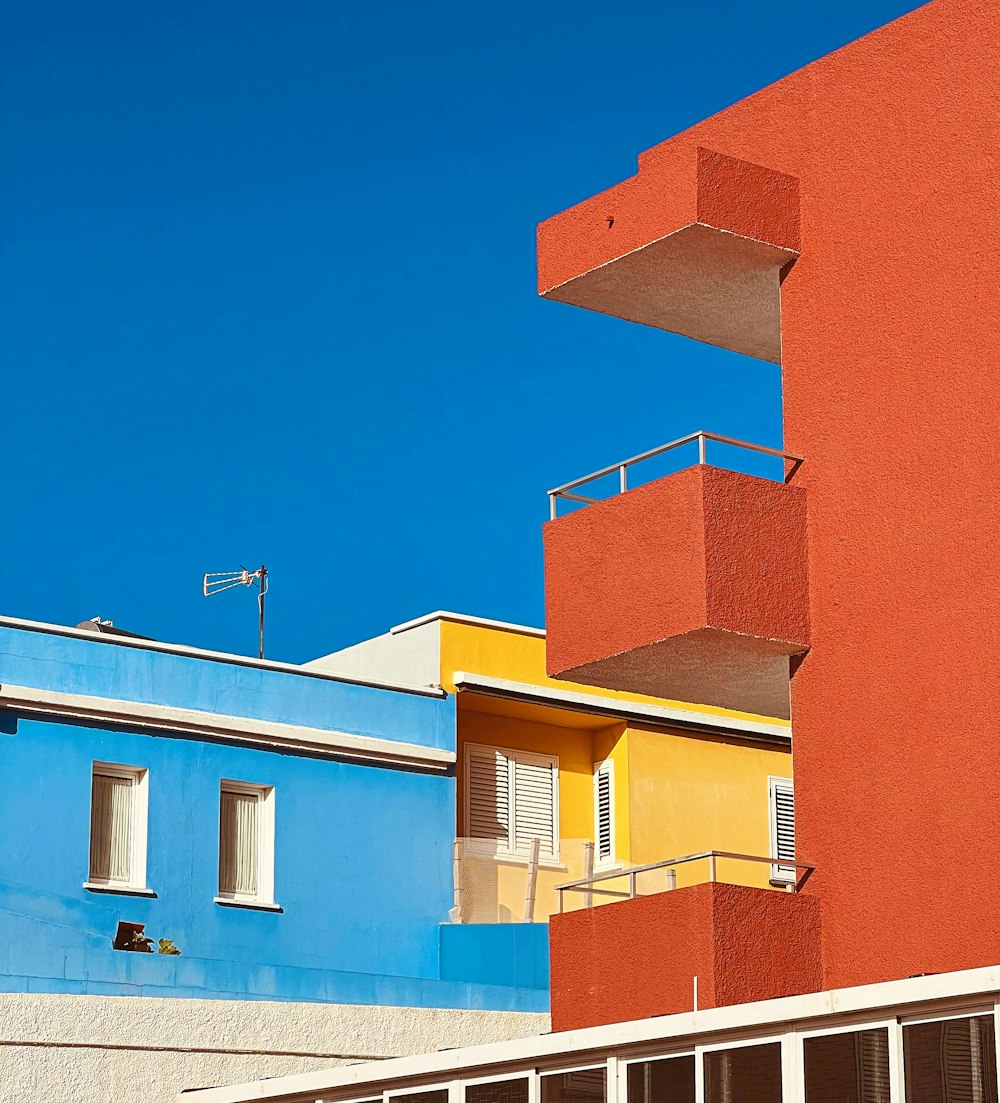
(271, 734)
(660, 714)
(972, 985)
(463, 618)
(210, 656)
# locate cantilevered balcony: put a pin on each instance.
(658, 949)
(697, 243)
(692, 587)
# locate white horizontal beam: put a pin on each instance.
(979, 986)
(662, 715)
(236, 729)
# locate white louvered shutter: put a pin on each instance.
(783, 828)
(534, 806)
(238, 843)
(111, 829)
(604, 814)
(489, 794)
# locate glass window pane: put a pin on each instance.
(951, 1062)
(847, 1068)
(438, 1095)
(668, 1081)
(750, 1074)
(500, 1091)
(583, 1086)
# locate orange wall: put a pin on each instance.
(889, 356)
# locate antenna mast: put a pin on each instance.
(217, 581)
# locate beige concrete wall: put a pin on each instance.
(132, 1049)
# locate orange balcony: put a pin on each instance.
(697, 243)
(710, 945)
(692, 587)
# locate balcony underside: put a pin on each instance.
(702, 282)
(708, 665)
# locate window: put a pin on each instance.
(582, 1086)
(511, 798)
(670, 1080)
(604, 813)
(498, 1091)
(850, 1067)
(246, 844)
(782, 812)
(953, 1061)
(748, 1073)
(118, 812)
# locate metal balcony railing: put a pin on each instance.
(702, 437)
(781, 874)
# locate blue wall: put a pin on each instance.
(103, 669)
(362, 853)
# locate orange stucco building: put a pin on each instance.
(843, 223)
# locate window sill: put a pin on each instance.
(253, 905)
(118, 890)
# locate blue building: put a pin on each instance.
(289, 831)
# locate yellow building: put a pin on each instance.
(604, 781)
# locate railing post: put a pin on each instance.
(622, 479)
(552, 507)
(702, 450)
(671, 879)
(711, 869)
(631, 884)
(588, 872)
(529, 889)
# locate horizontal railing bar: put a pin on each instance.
(579, 498)
(700, 856)
(627, 463)
(560, 491)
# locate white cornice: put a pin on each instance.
(209, 656)
(235, 729)
(463, 618)
(660, 715)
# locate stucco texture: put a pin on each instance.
(888, 353)
(743, 944)
(70, 1049)
(676, 582)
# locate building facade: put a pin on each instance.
(605, 780)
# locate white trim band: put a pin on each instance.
(239, 729)
(462, 618)
(660, 715)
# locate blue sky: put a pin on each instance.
(268, 296)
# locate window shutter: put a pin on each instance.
(238, 841)
(111, 828)
(534, 806)
(489, 794)
(783, 828)
(604, 813)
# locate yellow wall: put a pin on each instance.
(675, 793)
(691, 793)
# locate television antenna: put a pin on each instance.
(217, 581)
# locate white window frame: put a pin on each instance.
(264, 896)
(496, 848)
(611, 861)
(138, 839)
(780, 874)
